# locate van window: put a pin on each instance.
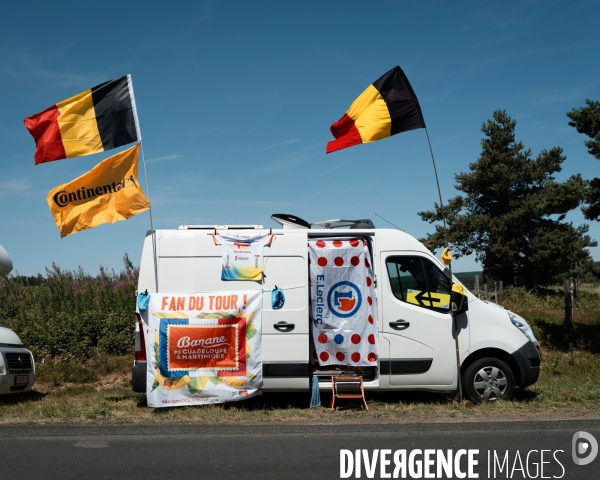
(418, 281)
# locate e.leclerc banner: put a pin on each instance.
(203, 348)
(343, 302)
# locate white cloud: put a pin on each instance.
(524, 54)
(289, 141)
(562, 95)
(164, 158)
(19, 64)
(15, 185)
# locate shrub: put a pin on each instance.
(520, 299)
(553, 334)
(544, 310)
(72, 314)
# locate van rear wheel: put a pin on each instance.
(489, 379)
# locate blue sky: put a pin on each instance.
(235, 100)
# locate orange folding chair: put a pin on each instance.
(347, 387)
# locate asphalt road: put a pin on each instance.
(285, 451)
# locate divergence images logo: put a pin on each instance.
(585, 448)
(344, 299)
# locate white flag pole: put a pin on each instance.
(151, 222)
(139, 136)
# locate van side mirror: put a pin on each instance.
(458, 303)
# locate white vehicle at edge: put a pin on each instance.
(416, 342)
(6, 264)
(17, 367)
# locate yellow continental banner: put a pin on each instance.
(106, 194)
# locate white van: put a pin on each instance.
(417, 349)
(17, 368)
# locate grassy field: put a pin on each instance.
(97, 390)
(569, 387)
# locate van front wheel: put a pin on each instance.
(488, 379)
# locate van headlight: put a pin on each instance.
(522, 325)
(517, 321)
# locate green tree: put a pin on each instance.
(512, 212)
(587, 121)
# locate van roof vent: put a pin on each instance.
(220, 227)
(339, 223)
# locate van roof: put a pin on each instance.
(388, 238)
(220, 227)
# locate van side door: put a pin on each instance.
(417, 324)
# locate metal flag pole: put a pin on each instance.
(455, 325)
(151, 223)
(139, 137)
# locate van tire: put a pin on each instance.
(489, 379)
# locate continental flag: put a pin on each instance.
(93, 121)
(108, 193)
(387, 107)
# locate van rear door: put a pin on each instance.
(189, 261)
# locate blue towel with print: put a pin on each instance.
(143, 299)
(277, 298)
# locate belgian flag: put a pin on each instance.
(387, 107)
(92, 121)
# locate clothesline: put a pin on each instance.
(284, 288)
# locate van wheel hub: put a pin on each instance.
(490, 383)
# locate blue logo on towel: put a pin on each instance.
(344, 299)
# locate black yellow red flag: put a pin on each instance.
(108, 193)
(388, 106)
(96, 120)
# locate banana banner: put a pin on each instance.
(203, 348)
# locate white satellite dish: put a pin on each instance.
(6, 264)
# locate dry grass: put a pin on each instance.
(569, 386)
(98, 392)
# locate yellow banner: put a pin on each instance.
(108, 193)
(428, 299)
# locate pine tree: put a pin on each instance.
(587, 121)
(512, 212)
